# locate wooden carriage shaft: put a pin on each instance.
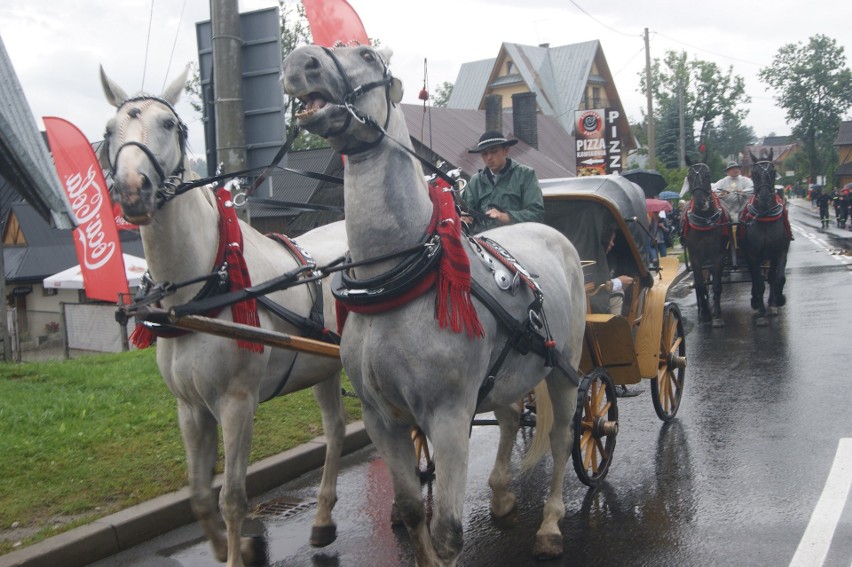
(239, 331)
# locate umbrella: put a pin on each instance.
(650, 180)
(666, 195)
(657, 205)
(72, 278)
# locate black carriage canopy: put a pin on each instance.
(587, 210)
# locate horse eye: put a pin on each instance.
(368, 56)
(107, 134)
(169, 123)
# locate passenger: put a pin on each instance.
(504, 192)
(618, 284)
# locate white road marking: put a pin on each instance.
(816, 541)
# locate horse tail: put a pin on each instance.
(543, 425)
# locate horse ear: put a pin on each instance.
(688, 160)
(115, 95)
(753, 157)
(174, 90)
(771, 151)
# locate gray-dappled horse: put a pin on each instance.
(766, 237)
(213, 379)
(705, 229)
(405, 367)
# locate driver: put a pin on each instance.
(733, 182)
(504, 192)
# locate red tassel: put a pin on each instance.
(342, 311)
(141, 337)
(244, 312)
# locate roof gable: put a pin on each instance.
(844, 135)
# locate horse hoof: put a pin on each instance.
(396, 517)
(254, 550)
(718, 323)
(761, 321)
(548, 547)
(323, 535)
(772, 311)
(507, 521)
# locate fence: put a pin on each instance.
(77, 330)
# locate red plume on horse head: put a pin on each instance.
(333, 22)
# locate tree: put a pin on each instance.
(442, 94)
(814, 87)
(708, 96)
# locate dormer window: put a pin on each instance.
(509, 67)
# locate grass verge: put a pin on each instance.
(84, 438)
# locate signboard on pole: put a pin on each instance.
(598, 143)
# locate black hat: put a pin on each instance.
(489, 140)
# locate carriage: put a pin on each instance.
(645, 340)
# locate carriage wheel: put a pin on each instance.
(595, 427)
(667, 387)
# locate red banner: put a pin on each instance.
(332, 21)
(96, 237)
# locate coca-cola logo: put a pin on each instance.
(87, 203)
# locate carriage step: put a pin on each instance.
(283, 507)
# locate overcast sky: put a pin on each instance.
(57, 45)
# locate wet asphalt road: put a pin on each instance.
(734, 480)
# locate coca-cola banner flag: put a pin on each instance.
(96, 237)
(332, 21)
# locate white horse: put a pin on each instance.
(406, 369)
(213, 379)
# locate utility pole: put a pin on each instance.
(227, 87)
(681, 138)
(652, 143)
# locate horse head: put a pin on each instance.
(347, 93)
(144, 147)
(698, 178)
(763, 176)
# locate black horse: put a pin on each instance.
(766, 237)
(705, 232)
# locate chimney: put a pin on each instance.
(524, 119)
(494, 112)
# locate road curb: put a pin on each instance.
(130, 527)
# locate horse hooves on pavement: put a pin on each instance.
(548, 547)
(323, 535)
(718, 323)
(254, 550)
(761, 321)
(772, 311)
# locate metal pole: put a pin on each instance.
(652, 143)
(227, 87)
(64, 320)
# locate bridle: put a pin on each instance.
(764, 190)
(168, 183)
(351, 94)
(699, 174)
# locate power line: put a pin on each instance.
(172, 54)
(147, 44)
(603, 24)
(708, 51)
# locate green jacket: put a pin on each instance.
(516, 192)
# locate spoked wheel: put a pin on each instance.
(595, 427)
(667, 387)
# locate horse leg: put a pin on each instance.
(451, 441)
(777, 279)
(718, 322)
(237, 419)
(563, 396)
(700, 284)
(327, 394)
(394, 444)
(758, 287)
(200, 438)
(502, 500)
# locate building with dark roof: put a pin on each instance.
(843, 143)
